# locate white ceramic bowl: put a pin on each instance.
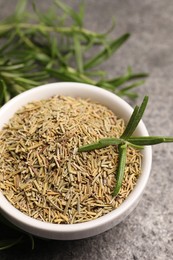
(94, 227)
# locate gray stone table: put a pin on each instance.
(147, 234)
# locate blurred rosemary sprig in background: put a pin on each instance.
(37, 47)
(16, 236)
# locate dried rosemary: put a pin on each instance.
(43, 174)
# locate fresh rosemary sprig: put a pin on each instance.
(37, 47)
(126, 140)
(17, 236)
(7, 243)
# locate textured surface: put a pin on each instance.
(148, 232)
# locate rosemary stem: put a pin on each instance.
(40, 27)
(121, 168)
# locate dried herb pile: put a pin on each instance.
(43, 174)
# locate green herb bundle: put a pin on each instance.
(37, 47)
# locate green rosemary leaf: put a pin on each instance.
(49, 18)
(77, 17)
(2, 91)
(134, 119)
(26, 39)
(129, 126)
(110, 29)
(121, 168)
(149, 140)
(106, 85)
(78, 53)
(8, 42)
(81, 13)
(118, 81)
(124, 91)
(137, 146)
(138, 75)
(32, 241)
(104, 142)
(27, 81)
(106, 52)
(41, 57)
(7, 243)
(4, 96)
(12, 67)
(111, 141)
(128, 76)
(131, 95)
(18, 78)
(60, 74)
(96, 73)
(40, 75)
(20, 8)
(19, 14)
(69, 74)
(91, 147)
(134, 85)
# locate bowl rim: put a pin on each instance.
(21, 219)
